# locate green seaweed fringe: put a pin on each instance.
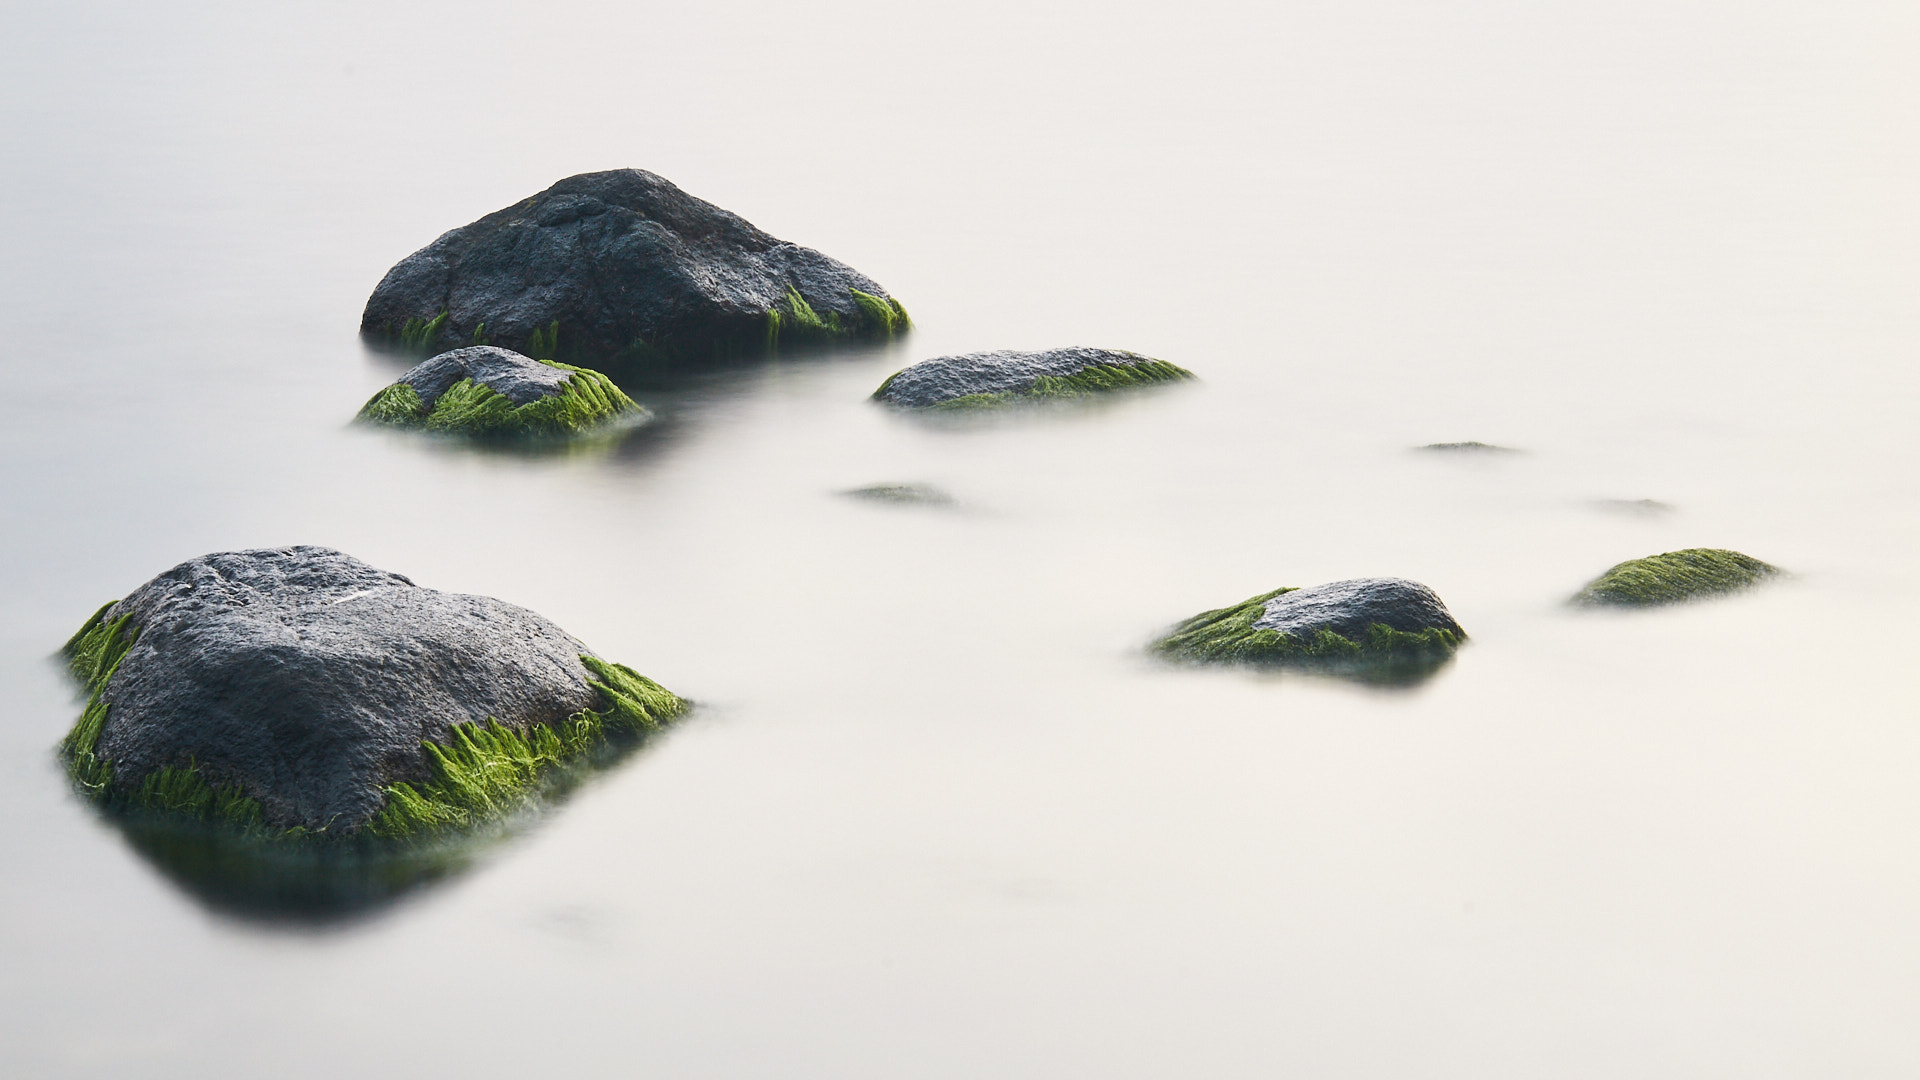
(418, 335)
(486, 772)
(873, 317)
(1674, 577)
(1227, 636)
(588, 401)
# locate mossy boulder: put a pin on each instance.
(1356, 623)
(1675, 577)
(299, 694)
(622, 270)
(988, 380)
(489, 392)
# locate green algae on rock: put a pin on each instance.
(1675, 577)
(301, 696)
(492, 393)
(993, 380)
(1358, 622)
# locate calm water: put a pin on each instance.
(937, 816)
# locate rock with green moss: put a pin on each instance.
(1363, 621)
(621, 270)
(488, 392)
(989, 380)
(300, 694)
(1674, 577)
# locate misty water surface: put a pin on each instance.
(937, 816)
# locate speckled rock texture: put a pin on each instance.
(634, 271)
(1349, 608)
(310, 679)
(947, 379)
(520, 379)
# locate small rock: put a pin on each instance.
(1635, 507)
(1363, 620)
(920, 494)
(1676, 576)
(993, 379)
(1466, 448)
(622, 269)
(485, 391)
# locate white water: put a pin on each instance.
(937, 817)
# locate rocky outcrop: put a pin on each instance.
(622, 270)
(300, 692)
(994, 379)
(1361, 620)
(492, 392)
(1676, 576)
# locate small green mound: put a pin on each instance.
(1674, 577)
(486, 773)
(590, 400)
(1227, 636)
(799, 323)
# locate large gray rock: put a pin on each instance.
(635, 272)
(1006, 376)
(1350, 607)
(310, 680)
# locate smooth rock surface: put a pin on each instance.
(520, 379)
(1349, 607)
(615, 258)
(944, 378)
(310, 679)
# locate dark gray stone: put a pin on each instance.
(1349, 607)
(620, 259)
(520, 379)
(310, 679)
(945, 378)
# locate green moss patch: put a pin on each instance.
(1227, 636)
(590, 400)
(1675, 576)
(795, 322)
(484, 774)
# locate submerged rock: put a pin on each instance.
(622, 268)
(1360, 621)
(915, 494)
(993, 379)
(1465, 448)
(492, 392)
(1689, 574)
(300, 693)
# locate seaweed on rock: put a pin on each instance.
(485, 774)
(800, 324)
(1674, 577)
(1227, 635)
(588, 400)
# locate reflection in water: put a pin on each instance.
(1397, 673)
(272, 879)
(280, 882)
